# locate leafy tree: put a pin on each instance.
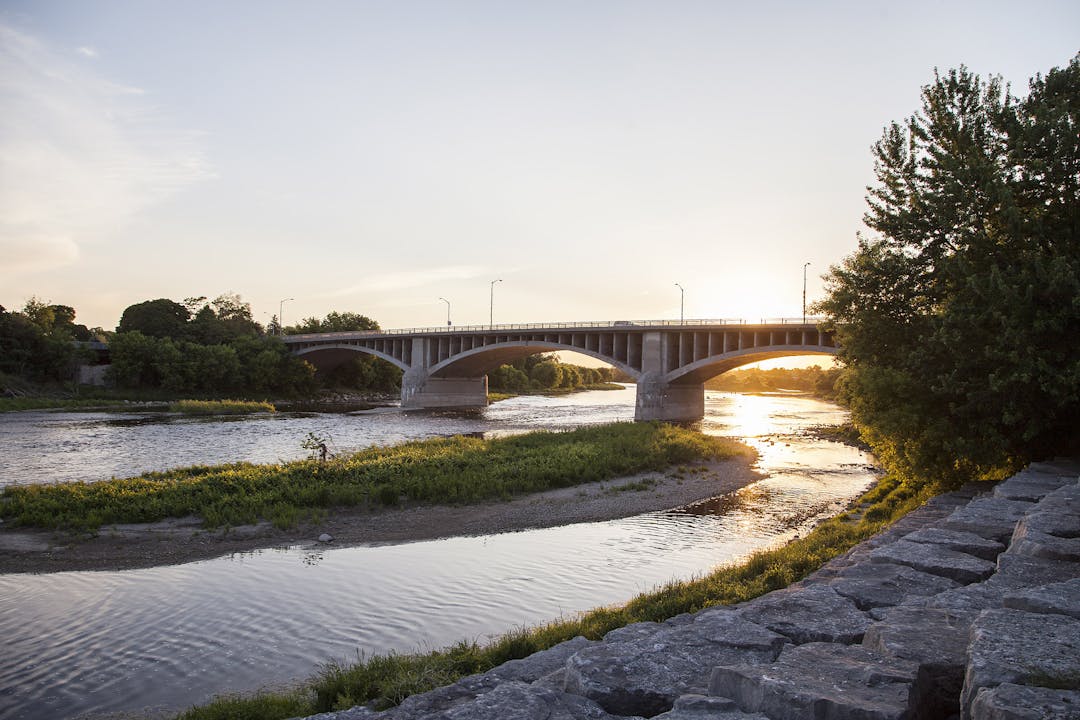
(334, 322)
(958, 317)
(546, 374)
(159, 318)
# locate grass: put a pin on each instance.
(385, 680)
(497, 396)
(15, 404)
(453, 470)
(220, 407)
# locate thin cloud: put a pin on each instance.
(80, 156)
(86, 51)
(388, 282)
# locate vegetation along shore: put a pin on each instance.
(417, 490)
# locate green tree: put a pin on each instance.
(334, 322)
(958, 317)
(155, 318)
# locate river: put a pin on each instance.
(166, 638)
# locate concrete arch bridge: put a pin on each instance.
(670, 360)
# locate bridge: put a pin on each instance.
(447, 367)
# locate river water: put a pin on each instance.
(166, 638)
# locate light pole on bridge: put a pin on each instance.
(491, 306)
(447, 311)
(682, 301)
(280, 319)
(804, 292)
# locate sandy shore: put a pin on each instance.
(170, 542)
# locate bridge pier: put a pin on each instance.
(658, 399)
(421, 391)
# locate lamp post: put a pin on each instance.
(447, 310)
(280, 319)
(682, 301)
(491, 307)
(806, 265)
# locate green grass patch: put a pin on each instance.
(385, 680)
(219, 407)
(453, 470)
(15, 404)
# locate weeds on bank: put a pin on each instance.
(385, 680)
(220, 407)
(453, 470)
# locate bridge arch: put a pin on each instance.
(482, 360)
(326, 357)
(707, 368)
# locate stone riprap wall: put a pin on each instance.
(968, 607)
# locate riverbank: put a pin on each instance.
(966, 607)
(175, 541)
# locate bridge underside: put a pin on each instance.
(670, 366)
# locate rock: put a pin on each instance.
(936, 560)
(936, 640)
(812, 614)
(1030, 485)
(872, 585)
(991, 517)
(1011, 646)
(356, 713)
(970, 599)
(1057, 598)
(706, 707)
(525, 702)
(326, 538)
(543, 663)
(535, 668)
(1047, 534)
(820, 680)
(1019, 571)
(926, 635)
(1019, 702)
(644, 674)
(957, 540)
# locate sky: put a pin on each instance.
(375, 157)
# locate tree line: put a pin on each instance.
(958, 316)
(545, 372)
(813, 380)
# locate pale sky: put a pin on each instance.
(375, 156)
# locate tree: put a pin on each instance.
(957, 318)
(334, 322)
(159, 318)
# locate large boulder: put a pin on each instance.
(875, 585)
(1011, 646)
(821, 680)
(936, 560)
(644, 674)
(1061, 598)
(1020, 702)
(936, 640)
(993, 518)
(817, 613)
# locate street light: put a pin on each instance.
(682, 301)
(491, 308)
(804, 292)
(447, 310)
(280, 319)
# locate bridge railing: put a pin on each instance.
(597, 325)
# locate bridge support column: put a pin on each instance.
(420, 391)
(658, 399)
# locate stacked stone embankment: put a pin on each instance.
(968, 607)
